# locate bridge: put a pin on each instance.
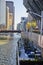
(10, 31)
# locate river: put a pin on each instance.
(8, 51)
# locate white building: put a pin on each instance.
(2, 12)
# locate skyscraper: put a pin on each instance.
(2, 12)
(10, 5)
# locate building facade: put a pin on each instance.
(10, 11)
(7, 18)
(22, 25)
(2, 12)
(18, 26)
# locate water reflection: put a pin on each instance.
(8, 51)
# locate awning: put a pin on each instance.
(34, 5)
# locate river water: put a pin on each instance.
(8, 52)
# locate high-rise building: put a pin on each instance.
(7, 18)
(2, 12)
(10, 13)
(22, 25)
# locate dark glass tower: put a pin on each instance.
(10, 4)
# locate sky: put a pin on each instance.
(20, 11)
